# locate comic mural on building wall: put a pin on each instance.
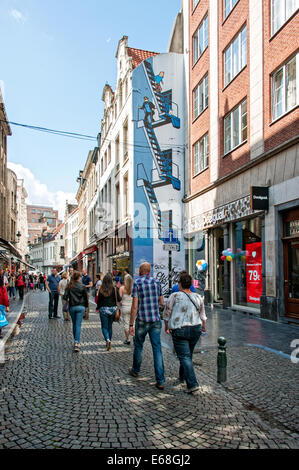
(158, 110)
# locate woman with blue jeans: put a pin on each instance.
(76, 295)
(185, 319)
(107, 303)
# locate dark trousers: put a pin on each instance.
(53, 304)
(21, 291)
(184, 341)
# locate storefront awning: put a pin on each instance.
(26, 264)
(10, 247)
(90, 249)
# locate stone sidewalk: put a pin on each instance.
(52, 398)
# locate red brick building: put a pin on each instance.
(38, 218)
(242, 67)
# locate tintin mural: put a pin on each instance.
(159, 166)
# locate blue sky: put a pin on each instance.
(56, 56)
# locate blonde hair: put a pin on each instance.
(64, 275)
(128, 283)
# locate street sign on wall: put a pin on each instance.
(171, 247)
(259, 198)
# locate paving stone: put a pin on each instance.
(54, 399)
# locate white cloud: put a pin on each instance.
(17, 15)
(108, 40)
(38, 193)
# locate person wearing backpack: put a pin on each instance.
(185, 319)
(4, 301)
(76, 294)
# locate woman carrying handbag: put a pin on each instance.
(107, 305)
(185, 319)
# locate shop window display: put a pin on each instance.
(248, 262)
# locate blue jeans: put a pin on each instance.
(107, 315)
(184, 341)
(12, 291)
(77, 313)
(154, 330)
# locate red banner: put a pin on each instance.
(254, 281)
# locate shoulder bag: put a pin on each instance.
(117, 315)
(190, 298)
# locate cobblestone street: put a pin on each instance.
(54, 398)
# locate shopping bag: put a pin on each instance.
(3, 319)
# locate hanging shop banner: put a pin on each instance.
(254, 281)
(259, 198)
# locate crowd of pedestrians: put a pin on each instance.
(139, 305)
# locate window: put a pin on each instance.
(281, 11)
(200, 97)
(235, 56)
(285, 88)
(201, 154)
(117, 153)
(200, 40)
(33, 220)
(125, 140)
(33, 211)
(235, 127)
(195, 3)
(228, 5)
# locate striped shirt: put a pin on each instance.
(148, 291)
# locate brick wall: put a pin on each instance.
(237, 89)
(277, 50)
(200, 126)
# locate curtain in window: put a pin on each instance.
(244, 121)
(227, 134)
(227, 66)
(291, 7)
(278, 14)
(291, 84)
(278, 94)
(236, 127)
(195, 103)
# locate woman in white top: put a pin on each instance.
(61, 290)
(126, 304)
(185, 319)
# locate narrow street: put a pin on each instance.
(54, 398)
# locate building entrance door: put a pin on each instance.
(291, 264)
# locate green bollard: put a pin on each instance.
(221, 360)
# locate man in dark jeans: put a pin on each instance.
(52, 287)
(147, 296)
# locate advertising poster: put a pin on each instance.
(254, 281)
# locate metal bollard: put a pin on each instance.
(221, 360)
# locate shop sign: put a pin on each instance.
(293, 227)
(259, 198)
(254, 281)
